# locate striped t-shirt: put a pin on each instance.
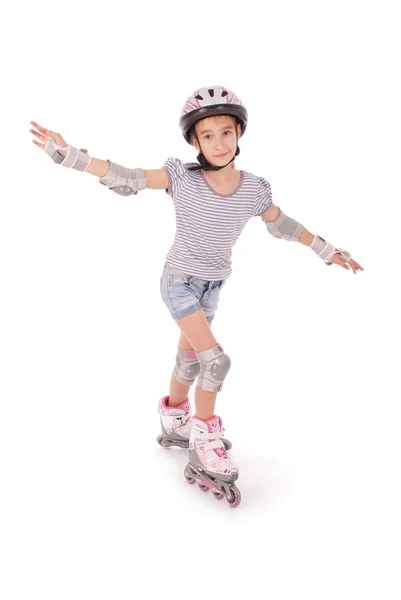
(207, 223)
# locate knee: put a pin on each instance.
(214, 366)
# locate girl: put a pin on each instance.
(213, 202)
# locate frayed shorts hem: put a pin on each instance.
(188, 311)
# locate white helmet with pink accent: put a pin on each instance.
(208, 102)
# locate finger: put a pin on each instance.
(37, 144)
(355, 265)
(42, 129)
(39, 135)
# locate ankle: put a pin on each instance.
(205, 417)
(173, 402)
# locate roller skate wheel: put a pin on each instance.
(227, 444)
(202, 487)
(188, 472)
(218, 495)
(162, 443)
(235, 496)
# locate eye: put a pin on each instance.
(208, 135)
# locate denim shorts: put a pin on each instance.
(183, 294)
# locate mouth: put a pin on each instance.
(221, 155)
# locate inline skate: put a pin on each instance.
(209, 465)
(176, 425)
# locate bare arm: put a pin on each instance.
(98, 167)
(157, 179)
(306, 237)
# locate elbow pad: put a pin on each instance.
(285, 227)
(124, 181)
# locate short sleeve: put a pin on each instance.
(263, 197)
(176, 173)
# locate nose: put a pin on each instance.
(221, 146)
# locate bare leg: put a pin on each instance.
(204, 403)
(195, 335)
(179, 391)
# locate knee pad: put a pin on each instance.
(187, 366)
(214, 366)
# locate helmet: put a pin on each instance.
(208, 102)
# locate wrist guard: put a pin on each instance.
(69, 157)
(325, 250)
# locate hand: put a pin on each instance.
(44, 136)
(336, 258)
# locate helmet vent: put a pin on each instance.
(211, 93)
(224, 93)
(199, 97)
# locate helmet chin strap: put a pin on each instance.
(205, 165)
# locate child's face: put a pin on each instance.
(217, 136)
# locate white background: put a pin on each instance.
(91, 506)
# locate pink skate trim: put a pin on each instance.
(213, 424)
(191, 354)
(221, 452)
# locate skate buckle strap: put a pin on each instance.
(172, 423)
(202, 434)
(208, 445)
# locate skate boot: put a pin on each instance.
(209, 463)
(176, 423)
